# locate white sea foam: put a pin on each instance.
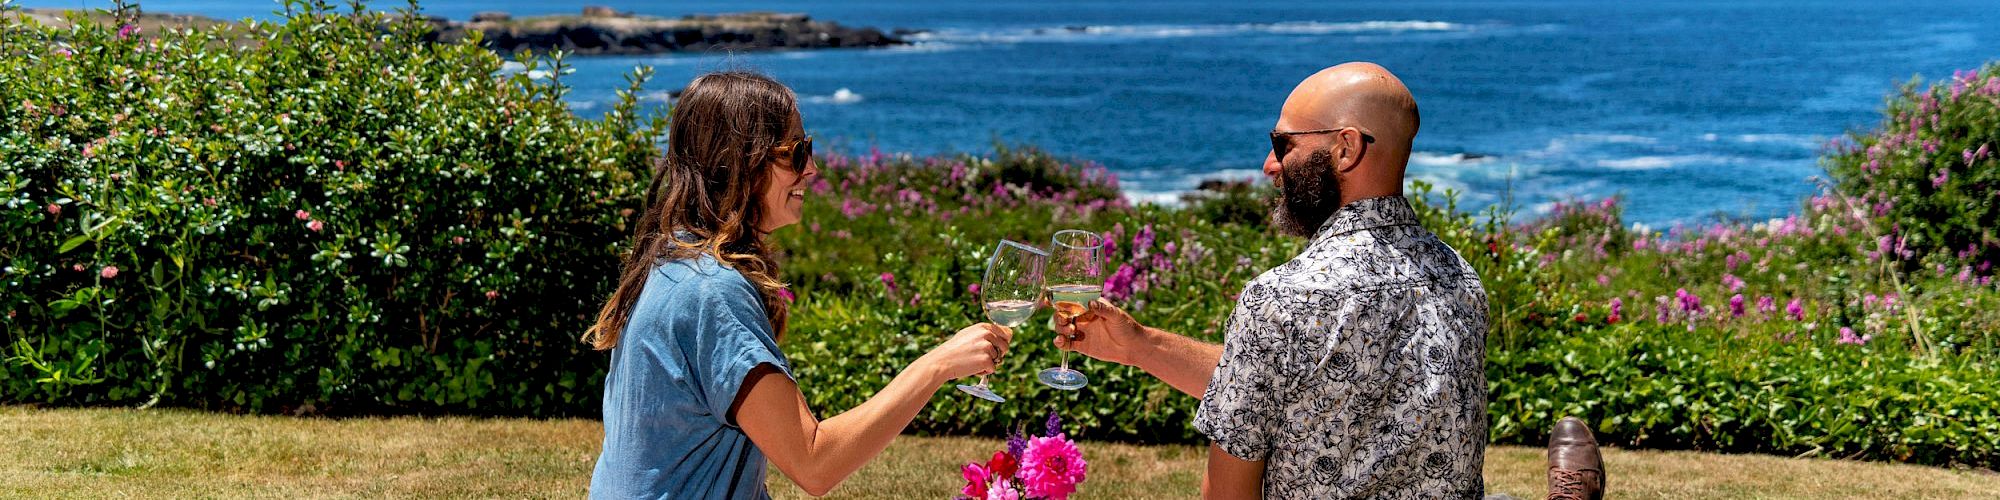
(1163, 198)
(1663, 161)
(1150, 31)
(1430, 159)
(842, 96)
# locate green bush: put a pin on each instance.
(1928, 172)
(343, 218)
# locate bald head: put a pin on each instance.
(1367, 97)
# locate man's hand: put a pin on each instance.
(1105, 332)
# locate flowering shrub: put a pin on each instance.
(1928, 175)
(1039, 467)
(351, 219)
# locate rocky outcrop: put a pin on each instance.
(599, 30)
(602, 31)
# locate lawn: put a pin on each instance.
(103, 453)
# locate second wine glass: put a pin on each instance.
(1075, 279)
(1008, 295)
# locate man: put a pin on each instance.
(1356, 370)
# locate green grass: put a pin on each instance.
(118, 453)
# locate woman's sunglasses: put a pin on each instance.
(1281, 140)
(801, 151)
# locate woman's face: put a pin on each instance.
(784, 196)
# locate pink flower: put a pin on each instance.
(208, 201)
(315, 226)
(492, 294)
(976, 480)
(1847, 337)
(55, 209)
(786, 293)
(458, 240)
(303, 215)
(1942, 176)
(1051, 467)
(77, 268)
(109, 272)
(1736, 305)
(888, 280)
(1003, 490)
(972, 289)
(1617, 311)
(1119, 285)
(1603, 281)
(127, 31)
(1796, 309)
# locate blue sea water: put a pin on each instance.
(1688, 109)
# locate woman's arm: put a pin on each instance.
(817, 454)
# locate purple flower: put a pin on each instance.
(1603, 281)
(1689, 302)
(1119, 285)
(1766, 305)
(1142, 240)
(1732, 282)
(127, 31)
(786, 293)
(1054, 425)
(889, 280)
(1796, 310)
(1736, 305)
(1016, 443)
(1942, 176)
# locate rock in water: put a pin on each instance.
(604, 31)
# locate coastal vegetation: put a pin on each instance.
(359, 221)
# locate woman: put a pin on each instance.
(699, 395)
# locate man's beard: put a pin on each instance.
(1308, 193)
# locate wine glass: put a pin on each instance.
(1013, 283)
(1075, 279)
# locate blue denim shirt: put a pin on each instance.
(697, 330)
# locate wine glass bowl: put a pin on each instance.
(1075, 279)
(1008, 295)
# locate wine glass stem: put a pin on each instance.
(982, 381)
(1065, 360)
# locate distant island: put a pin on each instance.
(604, 31)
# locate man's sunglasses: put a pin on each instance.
(1281, 140)
(801, 151)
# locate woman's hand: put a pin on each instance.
(973, 351)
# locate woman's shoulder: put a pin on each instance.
(697, 278)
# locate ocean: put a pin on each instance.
(1689, 110)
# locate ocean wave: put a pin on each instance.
(842, 96)
(1429, 159)
(1162, 198)
(1151, 31)
(1663, 161)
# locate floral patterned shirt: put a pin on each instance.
(1356, 370)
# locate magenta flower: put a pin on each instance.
(1689, 302)
(1732, 282)
(1143, 239)
(888, 280)
(1051, 467)
(1942, 176)
(127, 31)
(1119, 285)
(1736, 306)
(786, 293)
(109, 272)
(1796, 310)
(972, 289)
(976, 480)
(1617, 311)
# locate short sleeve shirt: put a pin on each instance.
(697, 330)
(1356, 370)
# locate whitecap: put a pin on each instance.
(841, 96)
(1154, 31)
(1430, 159)
(1663, 161)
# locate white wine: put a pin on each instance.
(1010, 313)
(1078, 294)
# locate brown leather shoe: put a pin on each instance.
(1576, 471)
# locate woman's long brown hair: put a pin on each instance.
(709, 184)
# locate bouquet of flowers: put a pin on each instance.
(1045, 467)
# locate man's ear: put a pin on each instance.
(1347, 149)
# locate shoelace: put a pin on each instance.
(1565, 484)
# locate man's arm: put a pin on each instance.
(1230, 477)
(1107, 333)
